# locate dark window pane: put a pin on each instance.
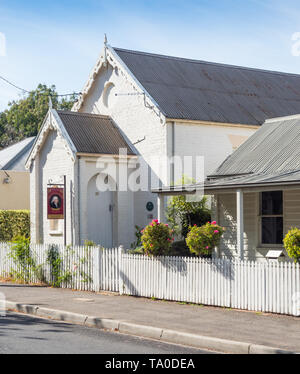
(272, 230)
(271, 203)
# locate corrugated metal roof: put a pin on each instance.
(274, 148)
(13, 157)
(92, 133)
(271, 156)
(251, 180)
(199, 90)
(254, 179)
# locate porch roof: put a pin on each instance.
(234, 182)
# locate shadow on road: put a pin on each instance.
(14, 322)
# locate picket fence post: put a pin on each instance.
(121, 282)
(96, 268)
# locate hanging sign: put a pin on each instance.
(55, 201)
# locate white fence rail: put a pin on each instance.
(258, 286)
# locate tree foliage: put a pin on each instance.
(24, 117)
(181, 214)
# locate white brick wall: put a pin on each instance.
(211, 141)
(52, 162)
(131, 115)
(138, 122)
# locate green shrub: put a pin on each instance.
(202, 240)
(89, 243)
(24, 260)
(181, 214)
(138, 236)
(14, 223)
(291, 243)
(58, 276)
(157, 239)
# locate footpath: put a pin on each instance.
(219, 329)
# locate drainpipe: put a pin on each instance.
(240, 223)
(78, 200)
(172, 152)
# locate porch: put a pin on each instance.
(256, 217)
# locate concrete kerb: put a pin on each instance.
(141, 330)
(61, 315)
(168, 336)
(199, 341)
(23, 308)
(102, 323)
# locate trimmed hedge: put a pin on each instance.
(14, 223)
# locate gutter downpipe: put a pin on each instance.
(78, 199)
(173, 153)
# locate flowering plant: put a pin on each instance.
(157, 239)
(291, 243)
(202, 240)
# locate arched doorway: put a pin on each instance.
(100, 211)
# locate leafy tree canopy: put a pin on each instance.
(181, 213)
(24, 117)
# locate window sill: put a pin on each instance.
(270, 246)
(56, 233)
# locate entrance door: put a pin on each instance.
(100, 213)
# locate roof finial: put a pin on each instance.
(50, 103)
(105, 52)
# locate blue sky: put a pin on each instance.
(58, 42)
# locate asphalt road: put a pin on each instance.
(24, 334)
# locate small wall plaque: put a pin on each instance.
(149, 206)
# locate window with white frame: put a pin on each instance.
(271, 211)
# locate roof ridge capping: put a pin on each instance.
(191, 60)
(285, 118)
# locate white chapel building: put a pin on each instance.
(151, 107)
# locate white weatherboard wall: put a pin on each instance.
(52, 162)
(291, 209)
(226, 217)
(225, 213)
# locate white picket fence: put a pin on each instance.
(82, 268)
(258, 286)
